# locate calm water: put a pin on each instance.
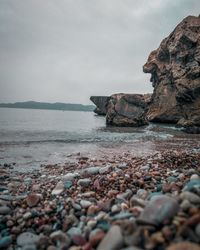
(32, 137)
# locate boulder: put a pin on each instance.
(127, 110)
(175, 76)
(101, 104)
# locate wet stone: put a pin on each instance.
(160, 209)
(113, 240)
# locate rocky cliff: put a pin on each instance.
(127, 110)
(101, 104)
(175, 76)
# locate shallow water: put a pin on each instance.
(33, 137)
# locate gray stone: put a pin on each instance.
(59, 188)
(113, 240)
(12, 197)
(122, 216)
(74, 231)
(142, 194)
(4, 210)
(84, 182)
(161, 208)
(85, 203)
(134, 201)
(27, 238)
(105, 170)
(194, 177)
(90, 170)
(60, 237)
(193, 198)
(70, 176)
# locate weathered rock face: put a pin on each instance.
(127, 109)
(101, 104)
(175, 75)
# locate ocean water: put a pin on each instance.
(30, 138)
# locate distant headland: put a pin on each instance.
(49, 106)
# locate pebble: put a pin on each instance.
(85, 203)
(194, 177)
(68, 184)
(90, 170)
(27, 238)
(122, 208)
(84, 182)
(70, 176)
(105, 170)
(193, 198)
(142, 194)
(113, 239)
(161, 208)
(33, 199)
(4, 210)
(59, 188)
(192, 185)
(5, 241)
(96, 238)
(60, 237)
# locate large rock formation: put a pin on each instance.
(101, 104)
(175, 75)
(127, 110)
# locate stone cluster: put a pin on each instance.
(120, 202)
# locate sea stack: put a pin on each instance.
(175, 76)
(127, 110)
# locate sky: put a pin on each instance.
(68, 50)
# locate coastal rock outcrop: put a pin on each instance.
(101, 104)
(175, 76)
(127, 109)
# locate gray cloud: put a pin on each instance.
(67, 50)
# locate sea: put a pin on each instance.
(30, 138)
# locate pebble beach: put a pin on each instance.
(111, 202)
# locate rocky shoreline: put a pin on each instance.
(175, 75)
(114, 202)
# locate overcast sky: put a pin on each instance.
(68, 50)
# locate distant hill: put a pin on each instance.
(46, 105)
